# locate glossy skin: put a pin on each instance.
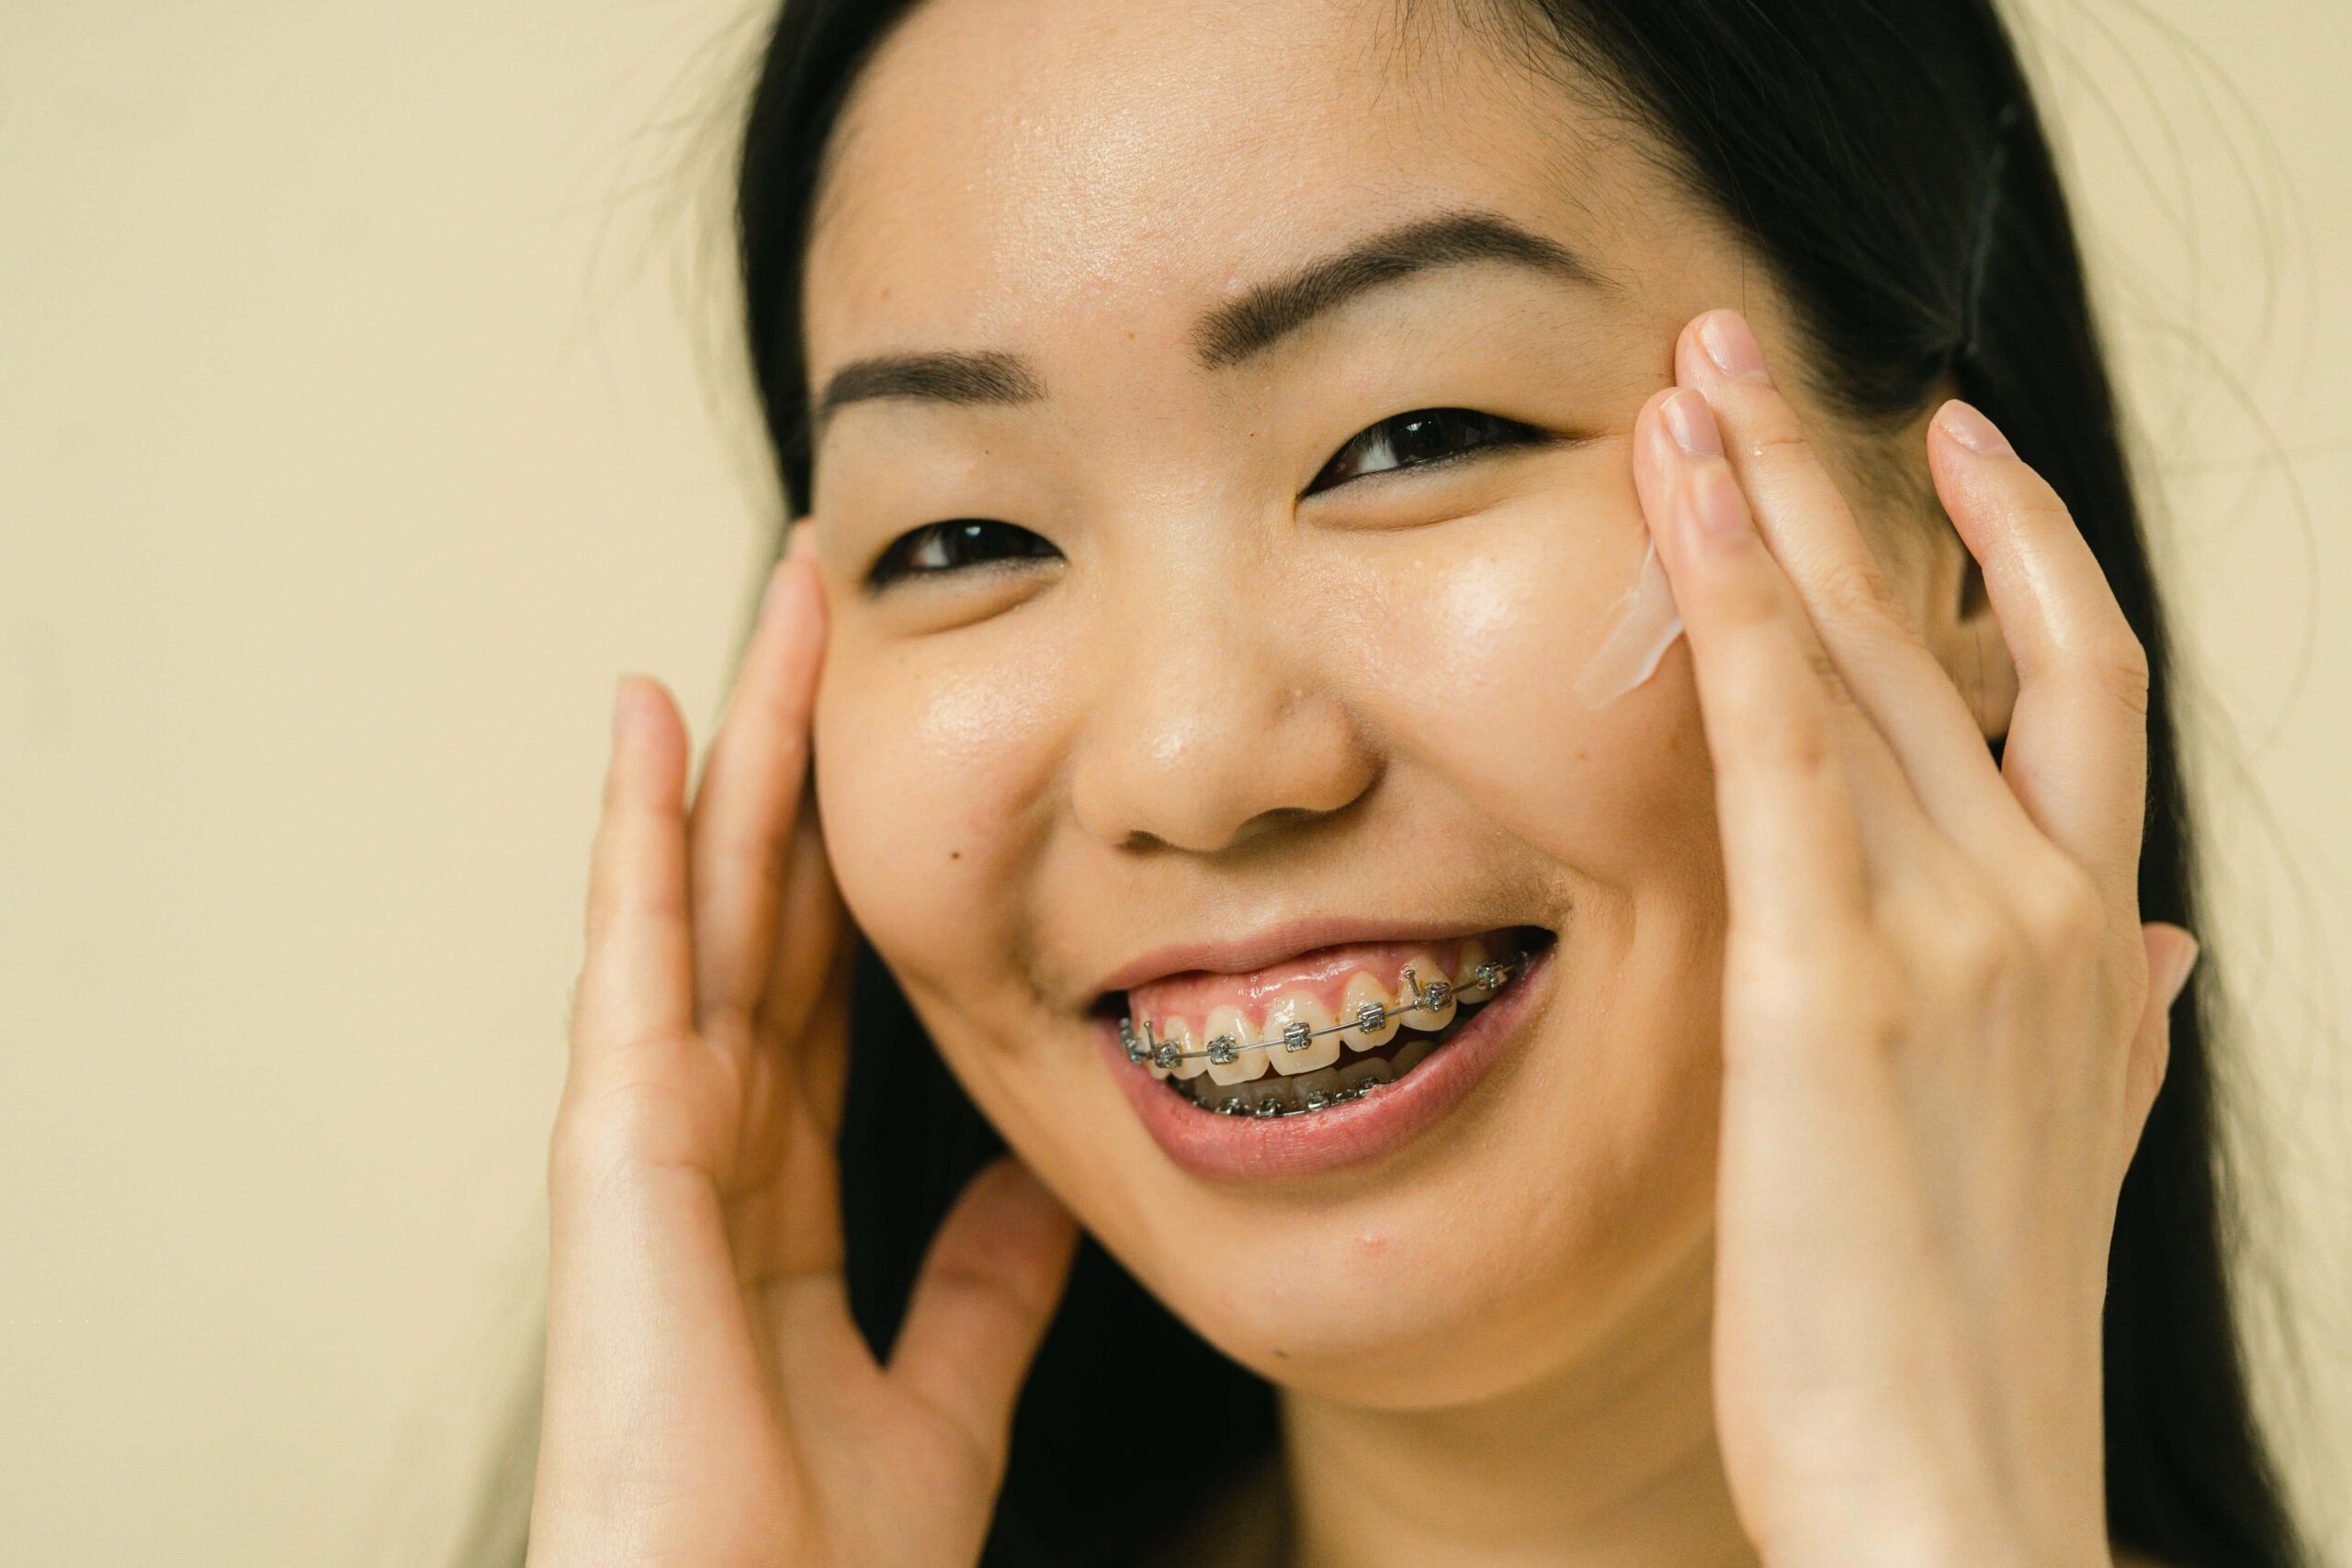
(1822, 1310)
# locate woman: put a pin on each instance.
(1397, 667)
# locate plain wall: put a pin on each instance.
(366, 404)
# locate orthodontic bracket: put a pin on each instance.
(1433, 996)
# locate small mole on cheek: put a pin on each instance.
(954, 855)
(1281, 1354)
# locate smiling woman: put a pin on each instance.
(1742, 1121)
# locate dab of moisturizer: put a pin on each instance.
(1648, 623)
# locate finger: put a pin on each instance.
(788, 1222)
(637, 980)
(811, 929)
(2077, 755)
(987, 1289)
(1794, 845)
(741, 825)
(823, 1056)
(1867, 632)
(2172, 953)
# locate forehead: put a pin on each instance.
(1010, 172)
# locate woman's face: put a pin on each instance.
(1240, 688)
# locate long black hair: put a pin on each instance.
(1885, 159)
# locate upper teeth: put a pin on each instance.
(1299, 1035)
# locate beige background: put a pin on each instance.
(366, 404)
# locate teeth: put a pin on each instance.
(1283, 1021)
(1425, 969)
(1179, 1034)
(1410, 1053)
(1318, 1088)
(1229, 1022)
(1301, 1094)
(1363, 991)
(1465, 973)
(1255, 1045)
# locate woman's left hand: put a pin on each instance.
(1944, 1021)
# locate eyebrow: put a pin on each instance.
(1229, 333)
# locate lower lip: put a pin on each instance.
(1248, 1148)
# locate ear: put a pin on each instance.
(1962, 632)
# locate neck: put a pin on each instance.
(1609, 1460)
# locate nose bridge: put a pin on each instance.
(1214, 718)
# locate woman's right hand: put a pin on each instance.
(709, 1400)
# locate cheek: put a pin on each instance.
(1481, 683)
(927, 769)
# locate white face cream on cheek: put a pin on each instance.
(1648, 623)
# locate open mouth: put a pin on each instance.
(1321, 1031)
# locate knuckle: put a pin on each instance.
(1880, 1031)
(2119, 661)
(1825, 672)
(1798, 745)
(1844, 996)
(1876, 1022)
(2039, 507)
(605, 1132)
(1852, 588)
(752, 848)
(1746, 602)
(2061, 910)
(1982, 946)
(1772, 433)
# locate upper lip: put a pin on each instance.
(1247, 955)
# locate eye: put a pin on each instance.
(1424, 438)
(938, 547)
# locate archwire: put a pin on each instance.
(1430, 996)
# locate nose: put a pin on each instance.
(1212, 728)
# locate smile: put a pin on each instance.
(1319, 1032)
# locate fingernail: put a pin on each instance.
(1693, 425)
(1966, 425)
(1713, 500)
(2184, 960)
(1729, 343)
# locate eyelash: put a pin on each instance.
(947, 537)
(1512, 433)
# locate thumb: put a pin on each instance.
(987, 1287)
(2172, 953)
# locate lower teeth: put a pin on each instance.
(1276, 1094)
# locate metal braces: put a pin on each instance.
(1430, 996)
(1309, 1099)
